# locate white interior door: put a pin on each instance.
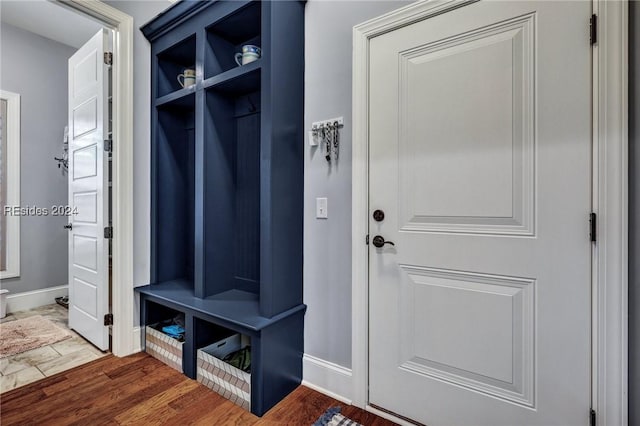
(88, 190)
(480, 158)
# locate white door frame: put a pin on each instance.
(122, 300)
(610, 201)
(12, 236)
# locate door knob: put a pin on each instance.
(379, 241)
(69, 227)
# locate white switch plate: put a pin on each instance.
(312, 141)
(321, 208)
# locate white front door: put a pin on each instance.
(88, 190)
(480, 159)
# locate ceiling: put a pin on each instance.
(49, 20)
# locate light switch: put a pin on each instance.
(313, 141)
(321, 208)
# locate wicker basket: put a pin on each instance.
(165, 348)
(224, 379)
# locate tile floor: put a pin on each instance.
(26, 367)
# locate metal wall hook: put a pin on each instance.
(62, 162)
(327, 133)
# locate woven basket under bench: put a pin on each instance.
(224, 379)
(164, 348)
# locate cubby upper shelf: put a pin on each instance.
(238, 81)
(183, 98)
(234, 306)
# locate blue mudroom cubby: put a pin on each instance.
(227, 184)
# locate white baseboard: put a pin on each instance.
(137, 340)
(327, 378)
(34, 299)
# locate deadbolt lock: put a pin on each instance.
(378, 215)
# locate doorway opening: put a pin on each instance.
(38, 40)
(609, 170)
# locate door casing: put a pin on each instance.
(125, 338)
(610, 202)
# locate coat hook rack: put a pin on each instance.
(327, 134)
(63, 162)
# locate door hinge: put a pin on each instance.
(592, 417)
(593, 225)
(108, 58)
(593, 29)
(367, 240)
(108, 319)
(108, 232)
(108, 145)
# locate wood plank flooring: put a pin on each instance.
(139, 390)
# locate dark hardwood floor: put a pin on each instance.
(139, 390)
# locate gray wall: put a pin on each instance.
(36, 68)
(327, 242)
(634, 212)
(142, 12)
